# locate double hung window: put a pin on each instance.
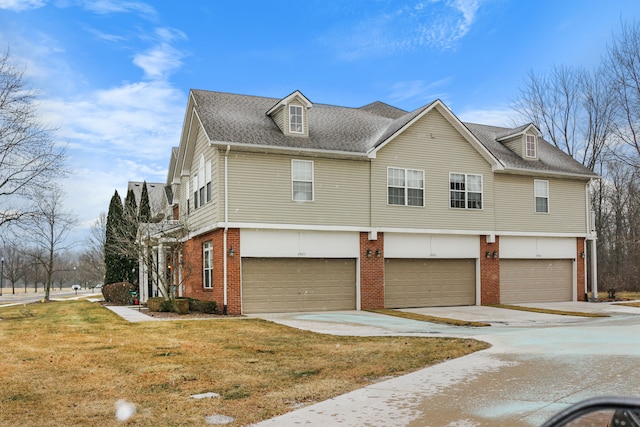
(465, 191)
(302, 180)
(531, 146)
(405, 187)
(541, 190)
(207, 265)
(295, 119)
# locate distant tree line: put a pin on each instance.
(594, 116)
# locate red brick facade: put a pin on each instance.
(489, 271)
(192, 269)
(371, 272)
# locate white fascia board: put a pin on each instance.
(284, 101)
(520, 133)
(551, 174)
(538, 234)
(311, 152)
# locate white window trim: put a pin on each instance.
(292, 106)
(535, 197)
(207, 249)
(466, 191)
(406, 187)
(526, 147)
(313, 186)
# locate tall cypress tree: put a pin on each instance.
(145, 207)
(114, 269)
(129, 231)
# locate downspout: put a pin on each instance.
(226, 229)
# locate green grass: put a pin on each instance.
(67, 363)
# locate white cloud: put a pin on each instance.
(136, 119)
(420, 89)
(20, 5)
(434, 24)
(106, 7)
(499, 116)
(162, 59)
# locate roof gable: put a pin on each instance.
(296, 95)
(519, 131)
(403, 123)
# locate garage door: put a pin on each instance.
(276, 285)
(429, 283)
(536, 280)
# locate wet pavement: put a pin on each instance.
(538, 365)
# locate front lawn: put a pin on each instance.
(67, 363)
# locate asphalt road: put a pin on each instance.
(20, 297)
(537, 366)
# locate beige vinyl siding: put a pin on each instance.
(278, 118)
(431, 144)
(567, 203)
(207, 213)
(516, 145)
(260, 191)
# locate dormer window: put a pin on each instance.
(295, 119)
(530, 148)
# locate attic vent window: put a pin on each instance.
(531, 146)
(295, 119)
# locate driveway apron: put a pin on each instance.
(534, 369)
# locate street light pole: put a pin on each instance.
(1, 274)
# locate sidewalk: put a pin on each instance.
(130, 314)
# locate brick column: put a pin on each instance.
(580, 251)
(489, 272)
(371, 272)
(234, 301)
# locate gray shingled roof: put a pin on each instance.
(550, 158)
(241, 119)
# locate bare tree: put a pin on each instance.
(15, 263)
(29, 158)
(92, 258)
(48, 229)
(552, 102)
(623, 71)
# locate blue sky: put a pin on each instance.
(114, 75)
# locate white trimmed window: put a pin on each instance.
(207, 265)
(207, 177)
(295, 119)
(405, 187)
(541, 190)
(302, 180)
(195, 192)
(530, 148)
(465, 191)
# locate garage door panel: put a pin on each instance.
(271, 285)
(429, 283)
(536, 280)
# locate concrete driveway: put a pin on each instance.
(538, 365)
